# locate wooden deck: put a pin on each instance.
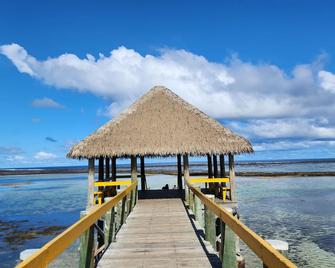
(159, 233)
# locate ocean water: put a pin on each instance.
(299, 210)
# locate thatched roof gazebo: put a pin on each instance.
(160, 124)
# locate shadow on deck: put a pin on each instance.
(160, 194)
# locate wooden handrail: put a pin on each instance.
(43, 256)
(208, 180)
(268, 254)
(111, 183)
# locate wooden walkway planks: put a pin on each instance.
(158, 233)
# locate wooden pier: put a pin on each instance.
(158, 233)
(118, 230)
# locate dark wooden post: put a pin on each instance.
(210, 166)
(180, 179)
(107, 176)
(215, 164)
(107, 169)
(114, 175)
(232, 178)
(222, 167)
(143, 178)
(216, 175)
(101, 169)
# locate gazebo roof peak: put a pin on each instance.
(160, 123)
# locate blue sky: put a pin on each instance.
(266, 69)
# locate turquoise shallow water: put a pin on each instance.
(298, 210)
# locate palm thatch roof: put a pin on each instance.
(160, 123)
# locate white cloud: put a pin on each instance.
(264, 100)
(44, 156)
(231, 90)
(46, 103)
(327, 81)
(292, 145)
(286, 128)
(18, 158)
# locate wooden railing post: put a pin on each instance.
(198, 210)
(228, 246)
(109, 225)
(191, 200)
(117, 224)
(86, 257)
(210, 228)
(123, 210)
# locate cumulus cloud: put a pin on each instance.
(44, 156)
(287, 128)
(46, 103)
(264, 100)
(292, 145)
(327, 80)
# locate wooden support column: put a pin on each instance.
(210, 166)
(222, 167)
(101, 169)
(101, 172)
(133, 195)
(232, 178)
(186, 176)
(215, 164)
(90, 192)
(180, 179)
(143, 178)
(114, 191)
(107, 176)
(216, 175)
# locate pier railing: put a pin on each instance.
(230, 226)
(84, 228)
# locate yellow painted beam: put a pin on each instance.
(42, 257)
(111, 183)
(268, 254)
(208, 180)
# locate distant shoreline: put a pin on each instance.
(125, 172)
